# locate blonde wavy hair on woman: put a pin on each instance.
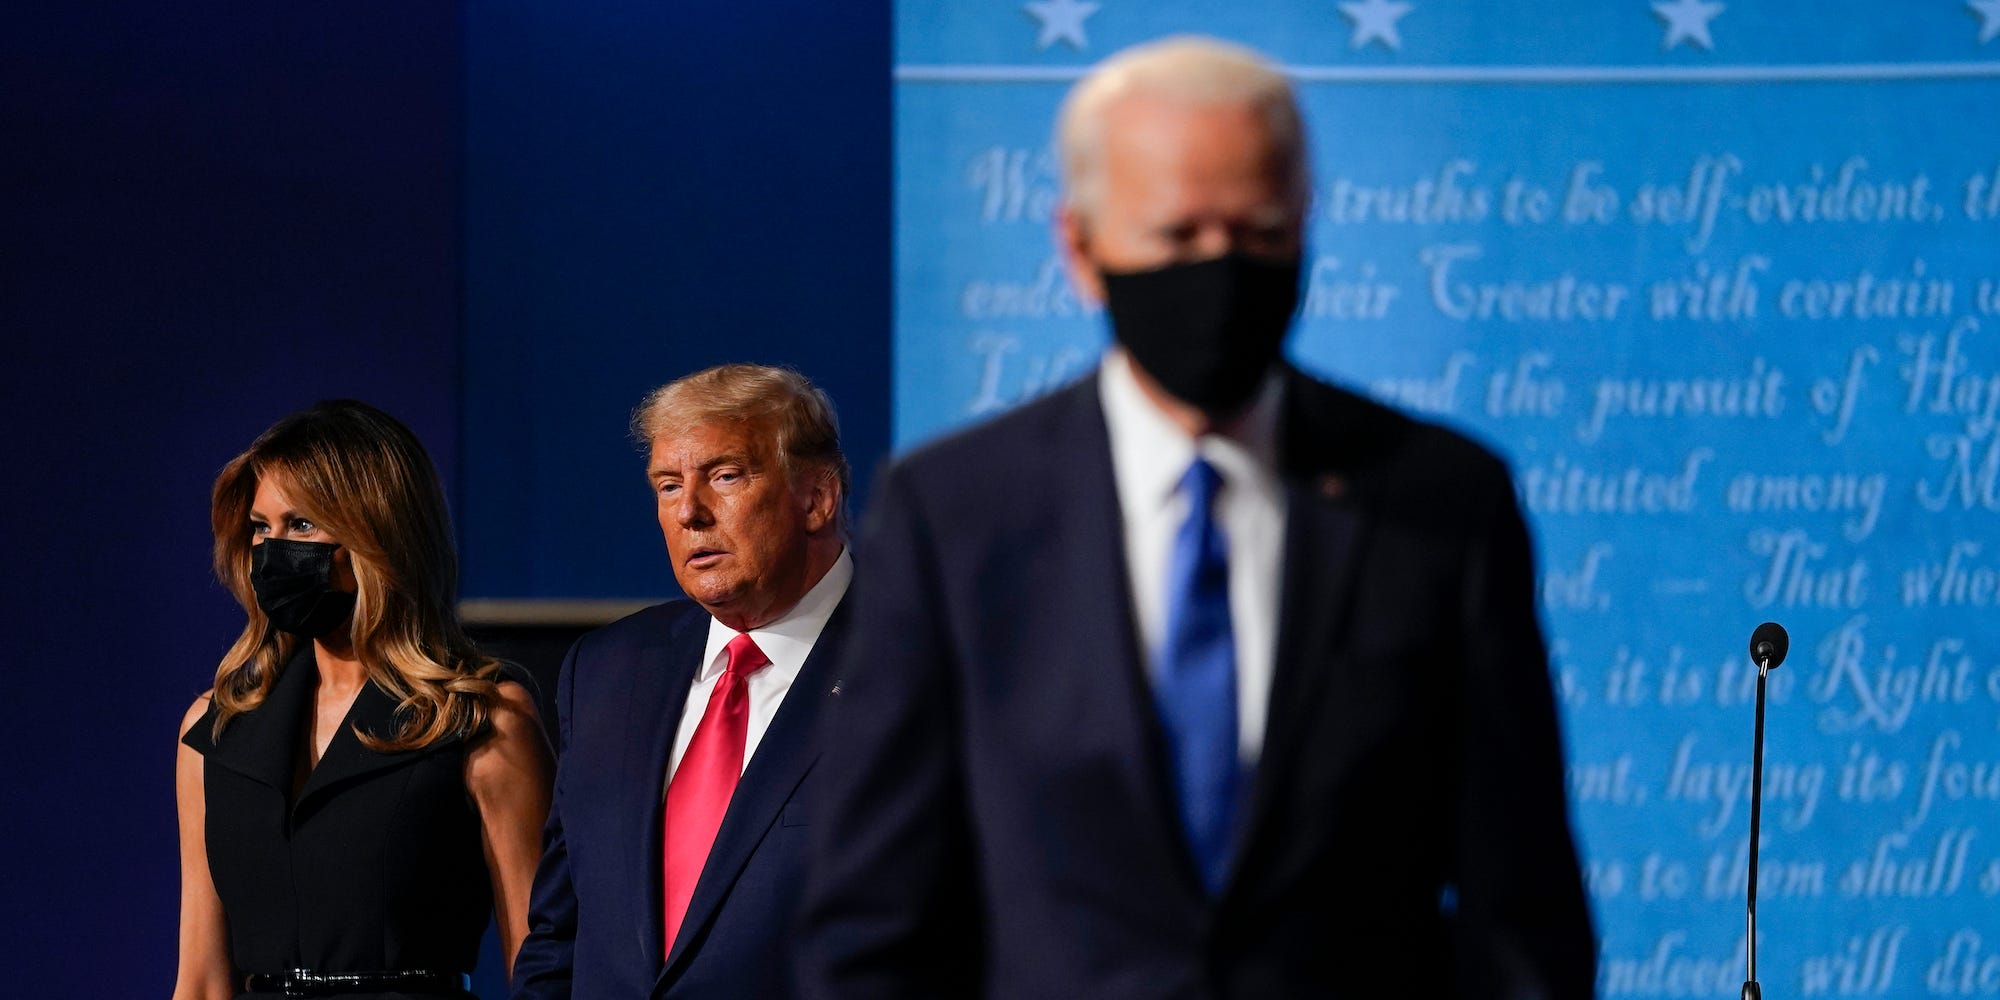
(365, 479)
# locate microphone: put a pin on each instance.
(1768, 646)
(1769, 643)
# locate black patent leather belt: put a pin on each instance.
(307, 983)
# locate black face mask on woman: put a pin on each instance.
(1206, 331)
(294, 585)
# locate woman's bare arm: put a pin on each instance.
(204, 940)
(508, 774)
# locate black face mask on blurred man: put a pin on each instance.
(1206, 331)
(294, 585)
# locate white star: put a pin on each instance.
(1375, 21)
(1989, 18)
(1062, 21)
(1687, 20)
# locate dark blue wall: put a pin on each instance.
(216, 213)
(651, 189)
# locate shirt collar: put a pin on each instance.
(787, 641)
(1149, 453)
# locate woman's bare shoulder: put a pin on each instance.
(513, 712)
(196, 711)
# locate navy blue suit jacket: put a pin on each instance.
(996, 816)
(594, 919)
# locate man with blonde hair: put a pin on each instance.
(1199, 677)
(675, 848)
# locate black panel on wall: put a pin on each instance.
(214, 214)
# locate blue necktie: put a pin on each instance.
(1195, 680)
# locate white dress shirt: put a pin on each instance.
(1149, 455)
(786, 642)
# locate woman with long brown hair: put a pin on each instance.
(362, 787)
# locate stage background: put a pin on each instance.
(500, 222)
(1721, 282)
(211, 214)
(652, 189)
(504, 222)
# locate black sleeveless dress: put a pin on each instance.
(377, 866)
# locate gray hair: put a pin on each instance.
(1189, 68)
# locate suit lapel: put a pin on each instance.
(658, 694)
(1324, 529)
(262, 744)
(347, 758)
(1091, 522)
(784, 754)
(265, 744)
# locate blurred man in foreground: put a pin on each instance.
(1197, 678)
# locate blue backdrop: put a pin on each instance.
(1722, 281)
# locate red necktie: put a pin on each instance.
(698, 795)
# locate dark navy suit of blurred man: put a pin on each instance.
(675, 849)
(1198, 678)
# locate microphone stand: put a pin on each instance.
(1751, 991)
